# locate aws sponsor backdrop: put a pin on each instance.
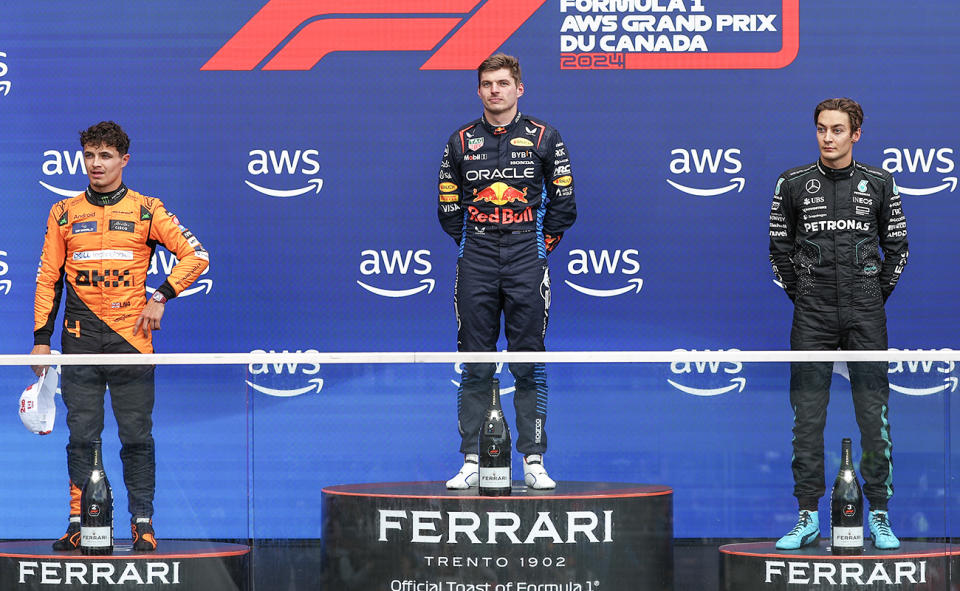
(300, 141)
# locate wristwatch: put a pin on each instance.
(159, 297)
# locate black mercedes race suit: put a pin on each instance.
(826, 230)
(506, 197)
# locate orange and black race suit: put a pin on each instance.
(100, 253)
(98, 249)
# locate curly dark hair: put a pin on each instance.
(848, 106)
(107, 133)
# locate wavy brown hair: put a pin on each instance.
(107, 133)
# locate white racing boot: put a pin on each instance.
(468, 475)
(535, 475)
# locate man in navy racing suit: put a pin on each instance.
(828, 223)
(506, 198)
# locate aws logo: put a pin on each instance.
(701, 162)
(915, 378)
(922, 378)
(165, 262)
(58, 163)
(928, 161)
(5, 284)
(386, 264)
(295, 376)
(5, 85)
(287, 163)
(621, 264)
(700, 378)
(499, 369)
(297, 34)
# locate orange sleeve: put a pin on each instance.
(46, 301)
(192, 258)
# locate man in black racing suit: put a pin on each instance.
(506, 197)
(828, 222)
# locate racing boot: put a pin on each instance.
(143, 537)
(469, 474)
(883, 538)
(805, 533)
(71, 539)
(535, 475)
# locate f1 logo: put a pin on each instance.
(473, 31)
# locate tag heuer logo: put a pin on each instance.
(475, 143)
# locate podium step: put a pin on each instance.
(915, 566)
(419, 536)
(176, 564)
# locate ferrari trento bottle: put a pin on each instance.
(96, 509)
(846, 508)
(494, 449)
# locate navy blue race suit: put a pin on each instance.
(827, 228)
(506, 197)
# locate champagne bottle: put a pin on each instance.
(96, 509)
(846, 507)
(494, 449)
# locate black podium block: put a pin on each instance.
(419, 536)
(177, 564)
(915, 566)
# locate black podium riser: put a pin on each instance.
(178, 565)
(894, 573)
(497, 544)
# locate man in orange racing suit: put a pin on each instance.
(97, 248)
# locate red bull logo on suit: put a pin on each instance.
(500, 194)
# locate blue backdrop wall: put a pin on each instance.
(300, 141)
